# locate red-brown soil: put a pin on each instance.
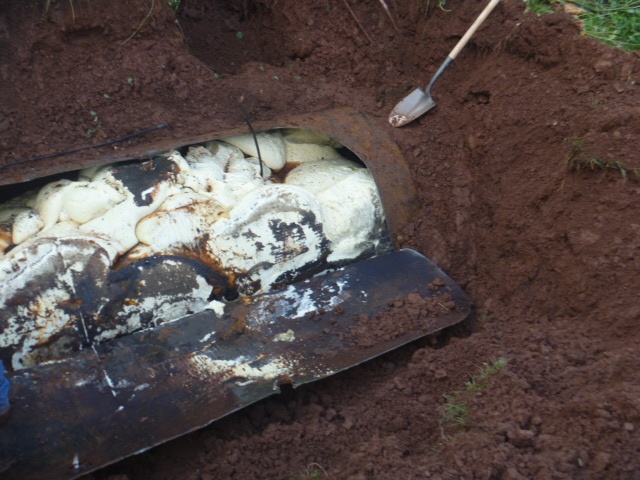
(549, 255)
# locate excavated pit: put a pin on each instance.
(548, 253)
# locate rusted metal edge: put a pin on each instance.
(355, 130)
(133, 393)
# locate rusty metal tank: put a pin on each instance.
(111, 399)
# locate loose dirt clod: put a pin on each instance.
(402, 315)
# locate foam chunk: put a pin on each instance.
(84, 201)
(50, 200)
(321, 175)
(355, 229)
(185, 225)
(305, 146)
(272, 147)
(25, 225)
(273, 235)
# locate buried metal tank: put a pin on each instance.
(142, 337)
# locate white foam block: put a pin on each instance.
(273, 232)
(320, 175)
(272, 147)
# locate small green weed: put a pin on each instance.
(174, 5)
(96, 121)
(540, 6)
(456, 411)
(486, 371)
(456, 414)
(144, 20)
(442, 4)
(47, 4)
(314, 471)
(579, 160)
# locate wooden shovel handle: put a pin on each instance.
(472, 29)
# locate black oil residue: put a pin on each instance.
(141, 178)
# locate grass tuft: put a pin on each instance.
(456, 411)
(579, 160)
(456, 414)
(540, 7)
(47, 4)
(315, 471)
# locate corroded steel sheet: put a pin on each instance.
(115, 399)
(74, 416)
(355, 130)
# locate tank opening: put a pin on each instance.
(105, 251)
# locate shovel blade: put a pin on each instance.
(411, 107)
(140, 390)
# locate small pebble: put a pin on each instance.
(440, 374)
(330, 414)
(601, 461)
(521, 438)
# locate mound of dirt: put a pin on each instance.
(527, 173)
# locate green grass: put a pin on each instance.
(579, 160)
(480, 380)
(456, 414)
(456, 411)
(314, 471)
(541, 6)
(615, 23)
(96, 122)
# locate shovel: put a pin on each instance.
(419, 101)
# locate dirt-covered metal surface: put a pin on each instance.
(154, 385)
(140, 293)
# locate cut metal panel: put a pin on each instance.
(125, 396)
(357, 131)
(119, 398)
